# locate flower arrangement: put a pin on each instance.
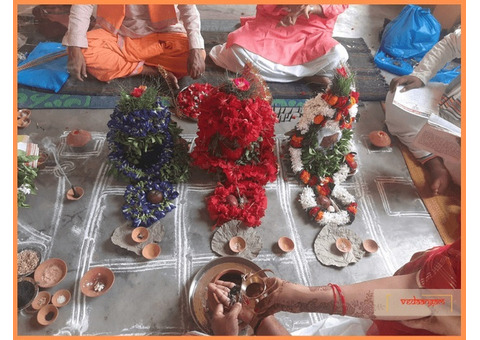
(144, 142)
(145, 148)
(188, 100)
(26, 175)
(322, 154)
(148, 201)
(245, 201)
(235, 139)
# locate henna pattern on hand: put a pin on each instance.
(362, 309)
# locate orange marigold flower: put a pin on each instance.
(304, 176)
(332, 100)
(319, 216)
(296, 141)
(318, 119)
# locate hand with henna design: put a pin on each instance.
(263, 325)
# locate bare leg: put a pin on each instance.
(320, 80)
(440, 177)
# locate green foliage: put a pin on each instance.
(323, 162)
(26, 176)
(147, 100)
(341, 86)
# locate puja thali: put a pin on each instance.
(198, 292)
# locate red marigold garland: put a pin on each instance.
(235, 139)
(245, 201)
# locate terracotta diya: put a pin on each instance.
(61, 298)
(370, 245)
(78, 138)
(380, 138)
(151, 251)
(50, 272)
(42, 299)
(285, 244)
(237, 244)
(75, 195)
(97, 281)
(343, 244)
(140, 234)
(47, 314)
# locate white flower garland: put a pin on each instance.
(340, 198)
(308, 201)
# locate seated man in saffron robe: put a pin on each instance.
(135, 39)
(285, 43)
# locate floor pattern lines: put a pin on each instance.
(79, 310)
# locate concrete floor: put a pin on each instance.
(80, 232)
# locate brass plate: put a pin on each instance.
(199, 285)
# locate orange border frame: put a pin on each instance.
(462, 3)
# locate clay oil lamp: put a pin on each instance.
(78, 138)
(285, 244)
(140, 234)
(370, 246)
(151, 251)
(343, 245)
(75, 193)
(379, 139)
(237, 244)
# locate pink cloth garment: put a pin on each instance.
(305, 41)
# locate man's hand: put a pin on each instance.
(226, 323)
(410, 82)
(76, 63)
(221, 289)
(294, 12)
(196, 62)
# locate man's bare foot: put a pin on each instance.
(439, 175)
(168, 76)
(320, 80)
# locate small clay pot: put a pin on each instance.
(343, 245)
(61, 298)
(370, 246)
(23, 113)
(237, 244)
(23, 122)
(42, 299)
(232, 200)
(42, 159)
(50, 272)
(155, 196)
(47, 314)
(140, 234)
(78, 138)
(380, 139)
(151, 251)
(97, 281)
(285, 244)
(324, 201)
(71, 196)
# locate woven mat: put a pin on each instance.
(92, 93)
(444, 209)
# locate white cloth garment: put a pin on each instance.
(335, 325)
(405, 125)
(234, 58)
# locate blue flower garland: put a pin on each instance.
(146, 148)
(139, 210)
(134, 127)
